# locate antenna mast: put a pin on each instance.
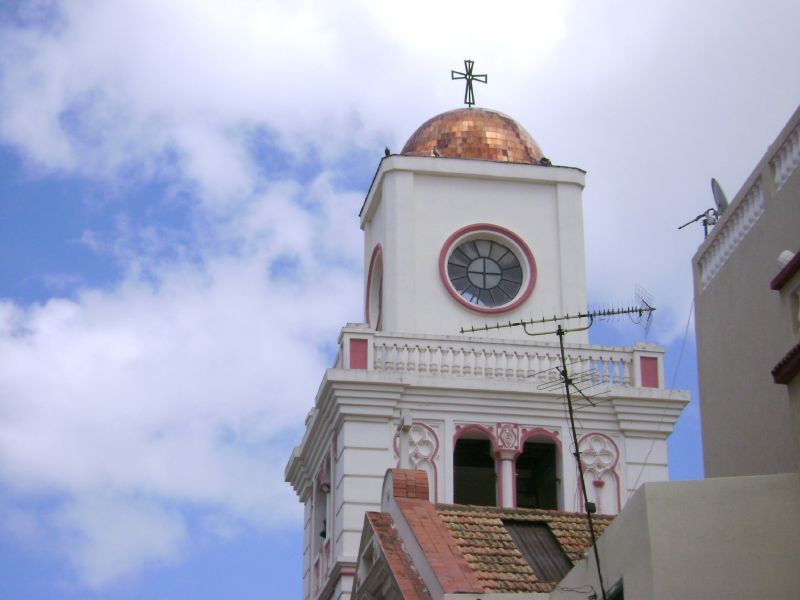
(643, 312)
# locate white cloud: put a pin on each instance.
(180, 385)
(109, 538)
(132, 82)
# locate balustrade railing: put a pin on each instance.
(748, 206)
(477, 359)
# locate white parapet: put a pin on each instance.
(760, 189)
(738, 221)
(476, 357)
(787, 158)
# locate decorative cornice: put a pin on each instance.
(787, 158)
(730, 232)
(456, 167)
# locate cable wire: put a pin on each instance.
(669, 395)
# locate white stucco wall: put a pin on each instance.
(411, 213)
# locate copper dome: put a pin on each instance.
(474, 133)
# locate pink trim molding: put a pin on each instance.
(508, 436)
(358, 353)
(648, 366)
(489, 433)
(377, 252)
(541, 433)
(502, 231)
(432, 459)
(536, 432)
(599, 483)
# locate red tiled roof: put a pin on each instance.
(440, 547)
(406, 577)
(469, 549)
(491, 553)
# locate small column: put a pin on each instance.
(507, 478)
(406, 421)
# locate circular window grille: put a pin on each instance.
(485, 272)
(487, 268)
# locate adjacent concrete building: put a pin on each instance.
(787, 371)
(742, 329)
(731, 538)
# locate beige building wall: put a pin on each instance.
(732, 538)
(741, 328)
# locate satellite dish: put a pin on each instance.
(719, 197)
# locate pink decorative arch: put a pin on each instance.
(502, 231)
(536, 432)
(489, 433)
(539, 432)
(377, 253)
(430, 460)
(612, 468)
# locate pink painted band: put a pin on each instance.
(612, 469)
(649, 371)
(358, 353)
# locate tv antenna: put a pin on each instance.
(711, 217)
(643, 312)
(581, 382)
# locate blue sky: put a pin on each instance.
(179, 185)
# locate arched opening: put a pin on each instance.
(474, 473)
(537, 475)
(321, 513)
(374, 300)
(320, 508)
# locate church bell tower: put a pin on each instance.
(470, 225)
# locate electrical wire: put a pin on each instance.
(669, 394)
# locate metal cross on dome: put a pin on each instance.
(469, 95)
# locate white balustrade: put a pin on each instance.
(742, 214)
(787, 158)
(499, 360)
(737, 223)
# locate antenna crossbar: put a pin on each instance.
(590, 315)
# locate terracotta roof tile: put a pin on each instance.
(406, 577)
(452, 569)
(491, 553)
